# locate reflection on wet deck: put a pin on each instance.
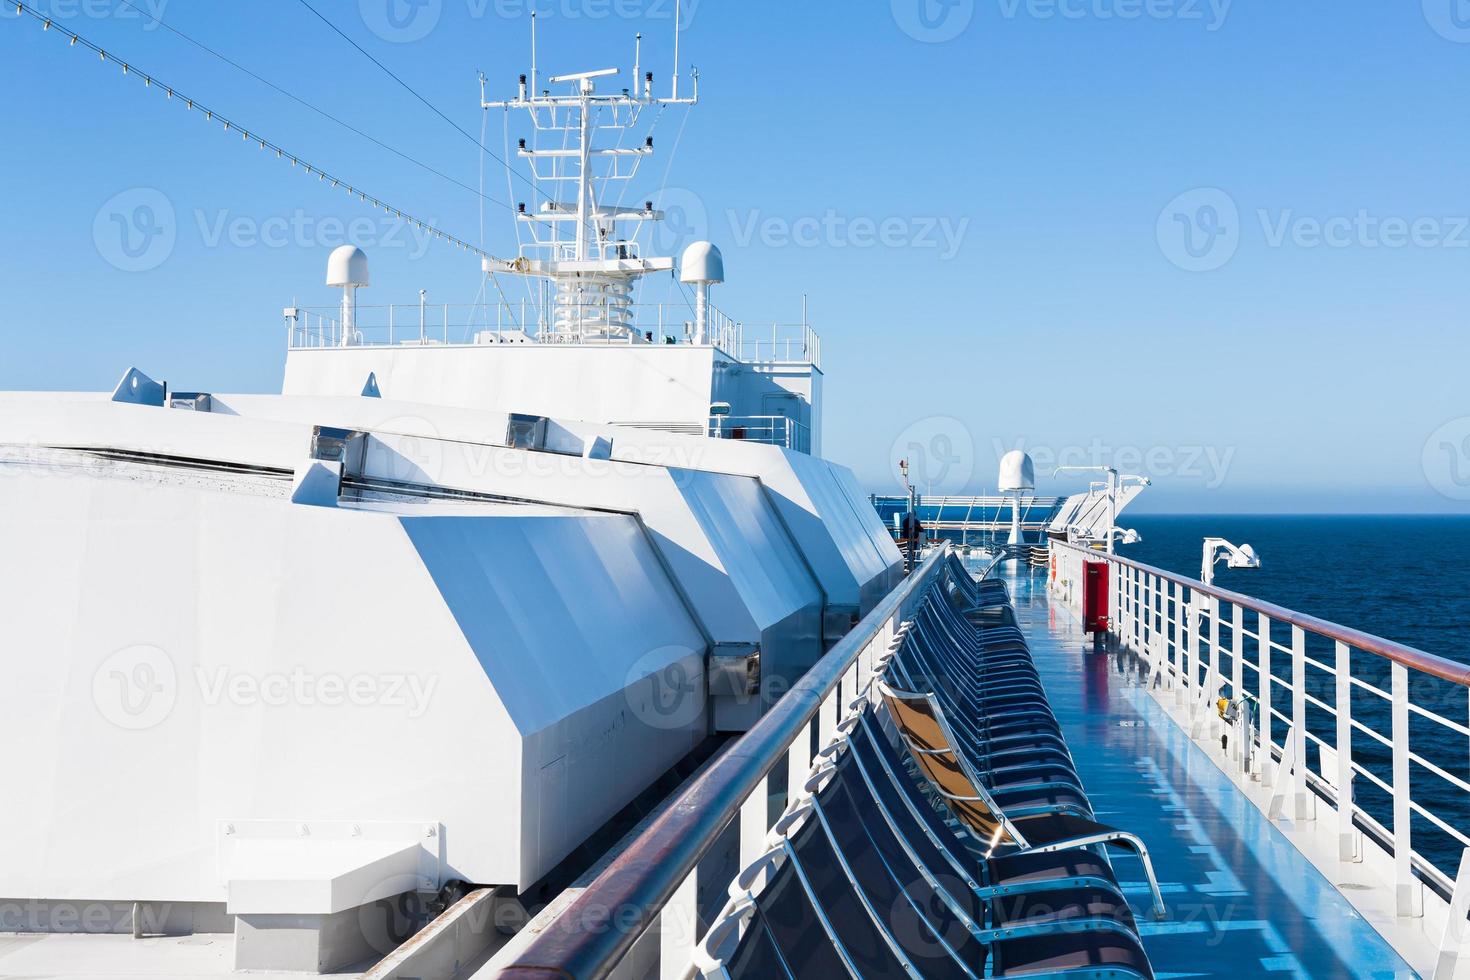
(1243, 901)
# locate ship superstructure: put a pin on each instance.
(583, 254)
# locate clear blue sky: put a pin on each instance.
(1289, 334)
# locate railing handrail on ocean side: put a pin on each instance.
(1441, 667)
(1173, 623)
(652, 884)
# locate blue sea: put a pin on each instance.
(1404, 578)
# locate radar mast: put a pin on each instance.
(581, 239)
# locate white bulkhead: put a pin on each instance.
(194, 655)
(532, 649)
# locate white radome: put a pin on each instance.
(348, 266)
(1017, 472)
(702, 263)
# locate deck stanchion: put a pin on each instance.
(798, 761)
(1237, 677)
(1302, 799)
(1347, 835)
(1156, 616)
(1145, 649)
(1263, 660)
(1156, 629)
(754, 822)
(1186, 632)
(1454, 927)
(678, 930)
(1173, 635)
(827, 717)
(1409, 897)
(1287, 775)
(1213, 670)
(1132, 581)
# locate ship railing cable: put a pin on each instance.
(1341, 725)
(248, 135)
(415, 93)
(160, 22)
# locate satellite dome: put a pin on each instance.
(347, 266)
(1017, 472)
(702, 262)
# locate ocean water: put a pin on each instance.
(1404, 578)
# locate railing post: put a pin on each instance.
(1454, 928)
(1287, 775)
(678, 928)
(1302, 808)
(798, 761)
(1407, 887)
(1183, 644)
(827, 716)
(1151, 636)
(1138, 613)
(754, 822)
(1161, 635)
(1347, 836)
(1263, 661)
(1213, 671)
(1177, 646)
(1237, 677)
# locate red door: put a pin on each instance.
(1095, 596)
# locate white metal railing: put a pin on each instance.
(1387, 723)
(471, 324)
(792, 343)
(652, 887)
(772, 430)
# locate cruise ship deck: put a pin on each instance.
(1243, 901)
(965, 787)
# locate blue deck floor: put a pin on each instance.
(1243, 902)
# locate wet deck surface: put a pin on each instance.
(1243, 902)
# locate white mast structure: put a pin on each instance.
(578, 241)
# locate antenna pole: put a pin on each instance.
(678, 7)
(535, 85)
(637, 62)
(584, 177)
